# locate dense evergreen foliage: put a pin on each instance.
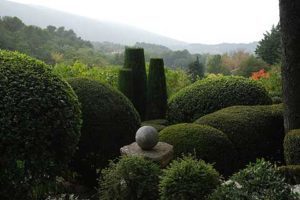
(196, 70)
(255, 131)
(292, 147)
(156, 90)
(135, 60)
(109, 122)
(40, 123)
(291, 173)
(188, 178)
(211, 94)
(125, 83)
(207, 143)
(131, 177)
(269, 48)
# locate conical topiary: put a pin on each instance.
(135, 60)
(157, 90)
(125, 83)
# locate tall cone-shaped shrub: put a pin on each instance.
(157, 90)
(125, 83)
(135, 60)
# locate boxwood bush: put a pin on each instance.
(131, 177)
(291, 173)
(255, 131)
(40, 121)
(211, 94)
(188, 178)
(109, 122)
(206, 142)
(260, 180)
(292, 147)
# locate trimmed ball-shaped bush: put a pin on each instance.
(292, 147)
(212, 94)
(130, 178)
(255, 131)
(206, 142)
(157, 90)
(40, 123)
(109, 122)
(187, 179)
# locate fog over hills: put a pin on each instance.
(100, 31)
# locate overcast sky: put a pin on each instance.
(194, 21)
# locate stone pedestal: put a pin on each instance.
(162, 153)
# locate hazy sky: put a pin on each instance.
(198, 21)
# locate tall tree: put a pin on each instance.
(290, 27)
(196, 70)
(269, 48)
(214, 65)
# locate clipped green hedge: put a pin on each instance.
(292, 147)
(132, 177)
(255, 131)
(135, 60)
(211, 94)
(206, 142)
(291, 173)
(157, 90)
(109, 122)
(188, 178)
(40, 121)
(125, 83)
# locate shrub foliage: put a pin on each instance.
(109, 122)
(211, 94)
(255, 131)
(130, 178)
(206, 142)
(40, 122)
(292, 147)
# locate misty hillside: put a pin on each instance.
(100, 31)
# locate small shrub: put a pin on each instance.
(255, 131)
(40, 123)
(292, 147)
(206, 142)
(211, 94)
(130, 178)
(259, 180)
(187, 179)
(109, 122)
(291, 173)
(135, 60)
(157, 90)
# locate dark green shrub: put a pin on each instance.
(130, 178)
(207, 143)
(260, 180)
(135, 60)
(39, 125)
(291, 173)
(255, 131)
(292, 147)
(157, 90)
(125, 83)
(211, 94)
(187, 179)
(158, 124)
(109, 122)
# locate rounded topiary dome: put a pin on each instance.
(109, 122)
(39, 123)
(211, 94)
(206, 142)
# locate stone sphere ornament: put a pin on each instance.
(146, 137)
